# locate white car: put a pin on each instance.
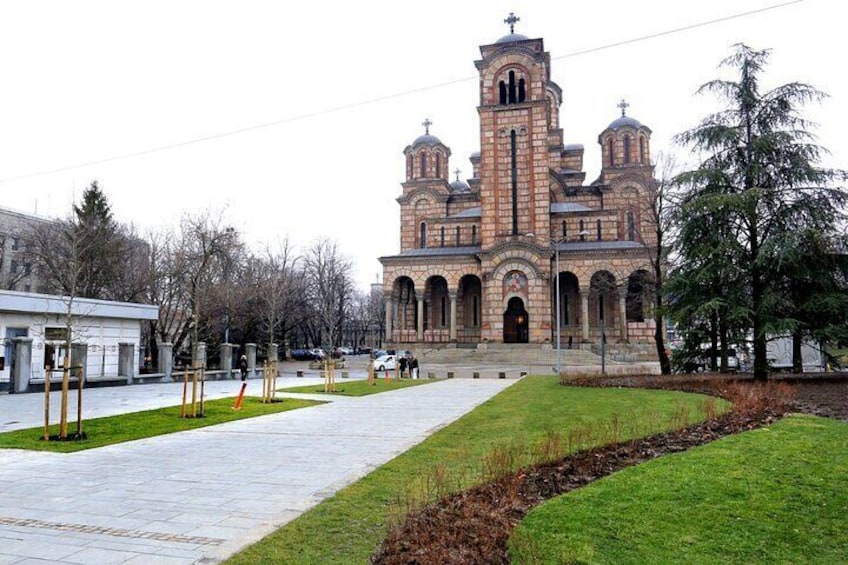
(385, 363)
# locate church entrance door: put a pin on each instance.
(516, 322)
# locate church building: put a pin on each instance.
(481, 260)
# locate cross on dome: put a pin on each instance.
(623, 105)
(457, 171)
(511, 20)
(427, 123)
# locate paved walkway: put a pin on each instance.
(201, 495)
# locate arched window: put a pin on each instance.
(582, 232)
(502, 92)
(521, 90)
(409, 166)
(442, 237)
(642, 149)
(598, 227)
(422, 237)
(438, 164)
(631, 227)
(457, 236)
(423, 165)
(626, 149)
(611, 150)
(473, 235)
(512, 96)
(564, 230)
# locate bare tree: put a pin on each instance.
(329, 289)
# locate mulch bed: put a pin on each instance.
(473, 527)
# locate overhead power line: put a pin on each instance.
(384, 98)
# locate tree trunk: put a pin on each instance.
(797, 360)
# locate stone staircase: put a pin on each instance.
(507, 354)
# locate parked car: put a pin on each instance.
(385, 363)
(300, 355)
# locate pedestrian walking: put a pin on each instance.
(413, 367)
(402, 365)
(243, 367)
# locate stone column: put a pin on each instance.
(389, 314)
(584, 313)
(198, 355)
(226, 356)
(166, 360)
(453, 317)
(250, 353)
(273, 354)
(126, 353)
(420, 330)
(622, 316)
(23, 364)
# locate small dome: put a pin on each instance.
(459, 186)
(625, 121)
(427, 139)
(512, 37)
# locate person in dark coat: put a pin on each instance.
(402, 365)
(243, 367)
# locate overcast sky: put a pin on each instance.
(342, 88)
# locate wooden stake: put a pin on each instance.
(194, 393)
(63, 414)
(80, 378)
(46, 404)
(185, 392)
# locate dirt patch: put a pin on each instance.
(473, 527)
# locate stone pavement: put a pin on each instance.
(201, 495)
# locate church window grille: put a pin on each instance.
(641, 149)
(422, 242)
(438, 165)
(457, 235)
(598, 227)
(442, 237)
(473, 235)
(512, 96)
(409, 166)
(502, 92)
(564, 229)
(626, 149)
(631, 227)
(423, 165)
(521, 90)
(611, 150)
(582, 231)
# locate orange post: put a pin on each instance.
(237, 405)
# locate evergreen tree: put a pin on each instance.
(761, 178)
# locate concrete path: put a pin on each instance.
(201, 495)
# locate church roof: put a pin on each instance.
(578, 246)
(559, 207)
(469, 213)
(439, 251)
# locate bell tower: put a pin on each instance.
(514, 126)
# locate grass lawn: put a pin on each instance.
(347, 527)
(361, 387)
(138, 425)
(773, 495)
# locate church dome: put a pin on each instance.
(625, 121)
(459, 186)
(427, 139)
(512, 37)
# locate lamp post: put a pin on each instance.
(558, 309)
